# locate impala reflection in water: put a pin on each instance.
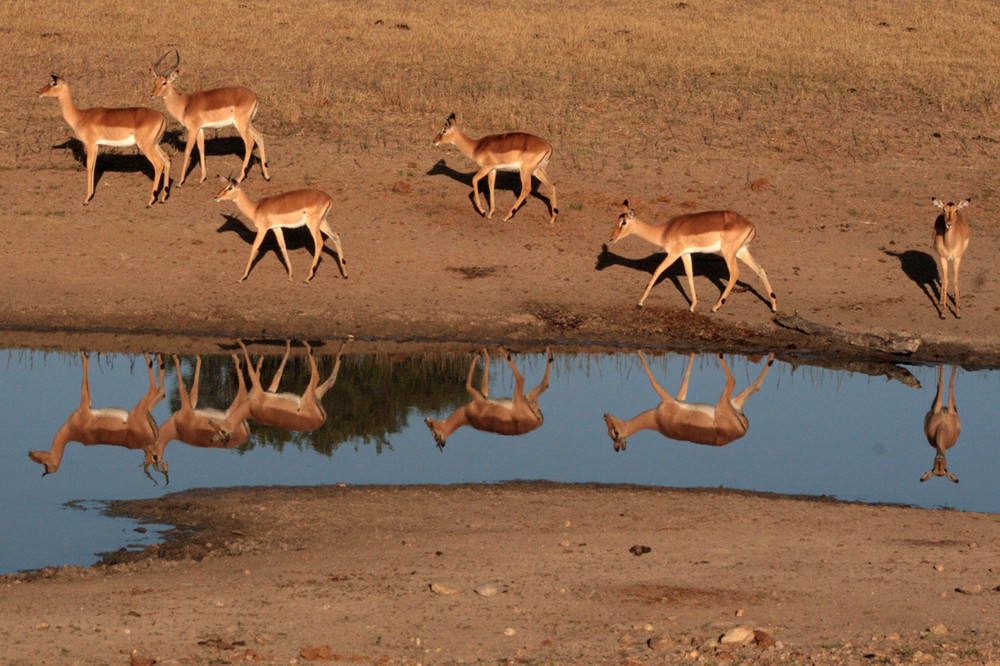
(113, 426)
(206, 427)
(512, 416)
(942, 426)
(700, 423)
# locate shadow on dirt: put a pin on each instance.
(108, 160)
(295, 239)
(506, 181)
(709, 266)
(922, 268)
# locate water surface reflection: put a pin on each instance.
(815, 431)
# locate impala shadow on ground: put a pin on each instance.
(108, 160)
(297, 240)
(704, 265)
(922, 269)
(507, 181)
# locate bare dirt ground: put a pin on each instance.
(299, 574)
(521, 573)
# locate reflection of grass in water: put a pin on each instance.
(372, 398)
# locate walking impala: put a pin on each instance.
(951, 240)
(722, 232)
(514, 151)
(300, 208)
(713, 425)
(135, 429)
(942, 426)
(218, 107)
(513, 416)
(205, 427)
(99, 126)
(288, 410)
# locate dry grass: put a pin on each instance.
(603, 81)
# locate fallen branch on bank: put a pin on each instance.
(888, 344)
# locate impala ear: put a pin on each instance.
(450, 120)
(962, 204)
(937, 202)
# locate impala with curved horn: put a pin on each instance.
(288, 410)
(722, 232)
(942, 426)
(98, 126)
(134, 429)
(218, 107)
(205, 427)
(513, 416)
(951, 240)
(514, 151)
(699, 423)
(299, 208)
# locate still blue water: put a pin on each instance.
(811, 431)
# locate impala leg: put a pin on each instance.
(259, 138)
(202, 157)
(491, 181)
(475, 188)
(734, 275)
(553, 207)
(486, 373)
(942, 301)
(162, 154)
(332, 379)
(244, 129)
(91, 167)
(958, 299)
(281, 367)
(656, 276)
(192, 138)
(518, 377)
(689, 271)
(744, 255)
(284, 251)
(544, 384)
(317, 237)
(476, 395)
(154, 159)
(253, 255)
(660, 391)
(525, 191)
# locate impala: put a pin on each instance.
(951, 240)
(942, 426)
(288, 410)
(218, 107)
(514, 151)
(135, 429)
(98, 126)
(205, 427)
(713, 425)
(299, 208)
(722, 232)
(513, 416)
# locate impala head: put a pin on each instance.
(229, 190)
(439, 438)
(615, 432)
(55, 86)
(45, 459)
(165, 76)
(940, 469)
(623, 227)
(444, 136)
(950, 210)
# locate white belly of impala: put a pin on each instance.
(714, 248)
(220, 123)
(294, 224)
(516, 166)
(121, 143)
